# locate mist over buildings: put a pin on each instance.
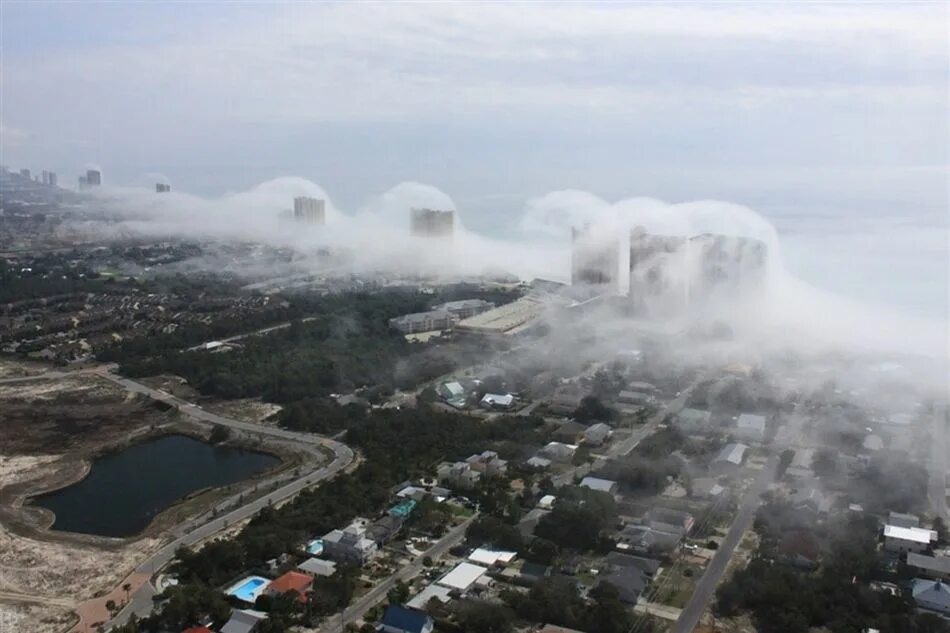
(721, 259)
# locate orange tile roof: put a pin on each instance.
(198, 629)
(291, 581)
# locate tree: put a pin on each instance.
(484, 617)
(219, 434)
(591, 409)
(110, 605)
(784, 460)
(940, 527)
(399, 593)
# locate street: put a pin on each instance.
(706, 586)
(366, 602)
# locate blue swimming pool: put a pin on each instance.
(315, 547)
(248, 589)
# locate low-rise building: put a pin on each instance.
(932, 596)
(691, 421)
(750, 427)
(488, 463)
(291, 582)
(350, 544)
(901, 539)
(730, 457)
(601, 485)
(497, 401)
(423, 321)
(399, 619)
(596, 434)
(458, 475)
(317, 567)
(462, 577)
(935, 567)
(559, 452)
(629, 582)
(243, 621)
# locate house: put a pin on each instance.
(691, 421)
(932, 596)
(539, 462)
(936, 567)
(487, 463)
(317, 567)
(529, 521)
(458, 475)
(629, 582)
(644, 538)
(399, 619)
(810, 497)
(497, 401)
(900, 539)
(462, 577)
(596, 434)
(533, 572)
(546, 502)
(798, 548)
(638, 398)
(903, 520)
(559, 452)
(350, 544)
(570, 432)
(706, 488)
(601, 485)
(421, 599)
(730, 457)
(679, 518)
(197, 629)
(484, 556)
(292, 581)
(750, 427)
(452, 392)
(647, 565)
(800, 466)
(243, 621)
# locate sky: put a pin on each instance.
(828, 119)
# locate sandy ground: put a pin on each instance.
(245, 409)
(35, 618)
(13, 369)
(15, 469)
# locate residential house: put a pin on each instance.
(730, 458)
(691, 421)
(433, 591)
(292, 581)
(539, 462)
(529, 522)
(317, 567)
(750, 427)
(681, 519)
(596, 434)
(243, 621)
(458, 475)
(350, 544)
(644, 538)
(900, 539)
(452, 392)
(706, 488)
(497, 401)
(462, 577)
(488, 557)
(559, 452)
(385, 529)
(638, 398)
(629, 582)
(527, 573)
(800, 466)
(570, 432)
(547, 502)
(798, 548)
(601, 485)
(197, 629)
(932, 596)
(903, 520)
(399, 619)
(648, 566)
(488, 463)
(936, 567)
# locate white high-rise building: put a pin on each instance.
(311, 210)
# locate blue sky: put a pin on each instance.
(829, 119)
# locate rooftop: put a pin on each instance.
(596, 483)
(291, 581)
(917, 535)
(463, 576)
(406, 619)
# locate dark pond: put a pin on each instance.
(124, 491)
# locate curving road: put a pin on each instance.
(140, 602)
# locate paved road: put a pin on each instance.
(378, 593)
(649, 427)
(141, 603)
(706, 586)
(937, 488)
(266, 330)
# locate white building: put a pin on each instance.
(310, 210)
(907, 539)
(462, 577)
(497, 401)
(601, 485)
(350, 544)
(750, 426)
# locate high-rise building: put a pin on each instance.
(93, 177)
(25, 173)
(52, 178)
(82, 183)
(672, 275)
(595, 259)
(310, 210)
(161, 187)
(431, 223)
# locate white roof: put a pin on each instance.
(502, 400)
(454, 387)
(318, 567)
(917, 535)
(490, 557)
(596, 483)
(421, 599)
(547, 501)
(462, 577)
(751, 421)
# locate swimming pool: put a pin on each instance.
(315, 546)
(248, 589)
